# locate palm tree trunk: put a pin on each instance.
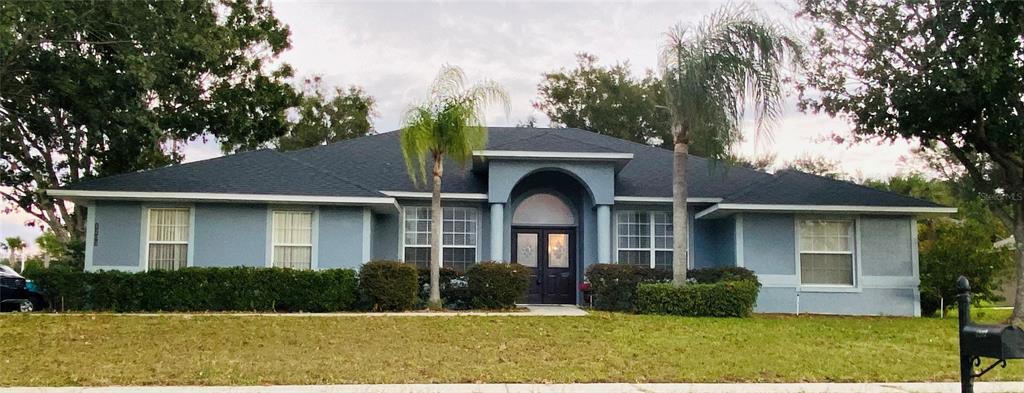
(435, 235)
(1018, 236)
(680, 231)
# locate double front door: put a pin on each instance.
(550, 253)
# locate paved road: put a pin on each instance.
(983, 387)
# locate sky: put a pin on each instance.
(393, 50)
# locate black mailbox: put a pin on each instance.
(994, 341)
(1000, 342)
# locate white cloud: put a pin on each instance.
(394, 49)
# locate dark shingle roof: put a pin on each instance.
(255, 172)
(792, 187)
(364, 166)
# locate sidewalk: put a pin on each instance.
(917, 387)
(532, 310)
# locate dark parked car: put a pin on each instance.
(17, 293)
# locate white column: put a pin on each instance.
(497, 231)
(604, 234)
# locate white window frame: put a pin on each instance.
(477, 239)
(314, 235)
(650, 235)
(144, 241)
(854, 249)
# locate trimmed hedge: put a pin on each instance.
(388, 285)
(199, 289)
(722, 299)
(494, 285)
(614, 286)
(710, 275)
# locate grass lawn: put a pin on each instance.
(604, 347)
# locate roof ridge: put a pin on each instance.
(325, 172)
(337, 143)
(544, 132)
(555, 134)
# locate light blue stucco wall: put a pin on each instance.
(769, 243)
(230, 235)
(341, 237)
(886, 246)
(386, 236)
(597, 178)
(869, 301)
(226, 235)
(714, 243)
(886, 272)
(115, 235)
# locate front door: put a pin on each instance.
(550, 253)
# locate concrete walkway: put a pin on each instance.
(981, 387)
(532, 310)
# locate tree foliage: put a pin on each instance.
(323, 117)
(817, 165)
(948, 74)
(606, 100)
(762, 163)
(95, 88)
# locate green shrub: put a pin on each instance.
(451, 284)
(389, 286)
(710, 275)
(199, 289)
(722, 299)
(495, 285)
(613, 286)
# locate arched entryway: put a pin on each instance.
(544, 240)
(546, 224)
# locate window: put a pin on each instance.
(167, 239)
(458, 236)
(543, 209)
(826, 252)
(645, 238)
(293, 239)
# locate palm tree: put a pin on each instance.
(450, 123)
(709, 71)
(14, 244)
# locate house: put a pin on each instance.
(557, 200)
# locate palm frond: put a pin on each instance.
(416, 138)
(712, 70)
(450, 123)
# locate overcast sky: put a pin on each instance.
(394, 49)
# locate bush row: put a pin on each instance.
(613, 286)
(486, 285)
(616, 288)
(199, 289)
(380, 286)
(721, 299)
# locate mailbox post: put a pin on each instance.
(999, 342)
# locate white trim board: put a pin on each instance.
(522, 154)
(639, 199)
(468, 196)
(222, 197)
(724, 209)
(444, 195)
